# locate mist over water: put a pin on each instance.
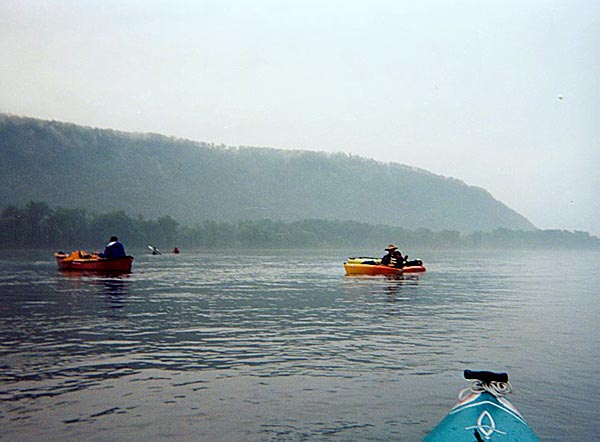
(283, 346)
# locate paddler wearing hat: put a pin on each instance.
(391, 257)
(387, 259)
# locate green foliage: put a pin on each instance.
(37, 225)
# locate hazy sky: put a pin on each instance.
(503, 94)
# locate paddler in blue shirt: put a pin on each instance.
(114, 249)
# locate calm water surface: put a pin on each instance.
(282, 346)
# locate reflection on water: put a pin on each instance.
(394, 286)
(285, 347)
(113, 288)
(116, 288)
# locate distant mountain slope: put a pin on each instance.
(152, 175)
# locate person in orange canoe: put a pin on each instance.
(114, 249)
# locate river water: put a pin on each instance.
(281, 346)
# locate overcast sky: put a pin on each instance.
(503, 94)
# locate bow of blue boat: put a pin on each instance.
(483, 413)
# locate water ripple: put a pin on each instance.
(291, 347)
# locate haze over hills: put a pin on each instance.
(152, 175)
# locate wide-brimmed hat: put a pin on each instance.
(391, 247)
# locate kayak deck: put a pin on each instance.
(491, 417)
(484, 414)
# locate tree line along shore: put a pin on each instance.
(37, 225)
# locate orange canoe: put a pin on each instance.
(82, 261)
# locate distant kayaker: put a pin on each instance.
(114, 249)
(155, 250)
(389, 256)
(393, 258)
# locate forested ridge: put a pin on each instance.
(102, 170)
(37, 225)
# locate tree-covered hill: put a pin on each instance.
(103, 170)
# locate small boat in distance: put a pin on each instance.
(483, 413)
(80, 260)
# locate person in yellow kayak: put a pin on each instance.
(393, 257)
(114, 249)
(388, 258)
